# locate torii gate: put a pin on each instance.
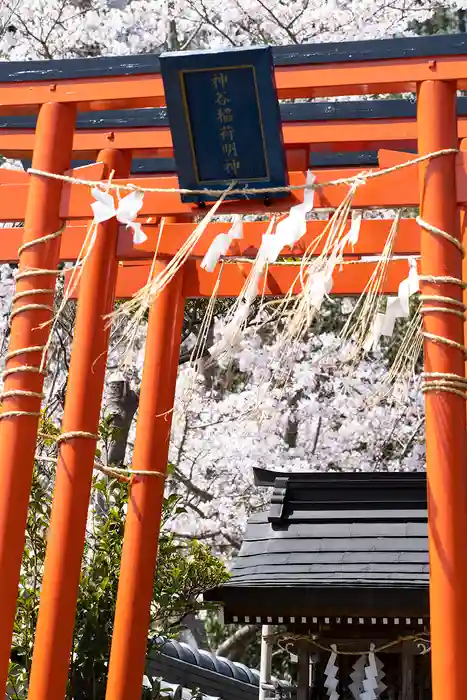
(436, 68)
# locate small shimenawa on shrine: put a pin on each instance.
(339, 562)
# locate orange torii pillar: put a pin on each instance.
(67, 531)
(23, 379)
(446, 438)
(135, 589)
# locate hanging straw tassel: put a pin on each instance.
(359, 331)
(316, 272)
(237, 317)
(75, 276)
(154, 286)
(130, 314)
(182, 255)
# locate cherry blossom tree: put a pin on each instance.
(65, 28)
(328, 417)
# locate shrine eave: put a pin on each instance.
(347, 547)
(344, 606)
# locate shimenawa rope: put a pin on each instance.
(24, 274)
(443, 381)
(356, 179)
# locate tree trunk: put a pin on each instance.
(234, 647)
(122, 404)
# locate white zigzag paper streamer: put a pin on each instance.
(372, 683)
(290, 229)
(397, 307)
(330, 672)
(222, 243)
(126, 211)
(357, 676)
(381, 686)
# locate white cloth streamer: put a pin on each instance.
(221, 244)
(126, 211)
(397, 307)
(290, 229)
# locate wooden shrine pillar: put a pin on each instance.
(407, 672)
(303, 672)
(66, 536)
(446, 438)
(266, 660)
(30, 327)
(463, 227)
(142, 527)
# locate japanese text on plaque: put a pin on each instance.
(226, 122)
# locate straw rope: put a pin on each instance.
(21, 368)
(439, 232)
(353, 182)
(22, 351)
(447, 382)
(22, 392)
(422, 641)
(117, 472)
(356, 179)
(72, 434)
(26, 274)
(108, 471)
(43, 239)
(35, 272)
(30, 307)
(234, 259)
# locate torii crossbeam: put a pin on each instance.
(56, 216)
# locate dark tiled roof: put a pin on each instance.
(341, 533)
(334, 551)
(192, 669)
(161, 690)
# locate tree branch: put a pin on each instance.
(234, 646)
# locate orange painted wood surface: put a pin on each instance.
(14, 189)
(445, 415)
(124, 92)
(396, 189)
(373, 234)
(351, 281)
(30, 328)
(388, 159)
(351, 135)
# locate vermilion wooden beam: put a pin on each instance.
(293, 81)
(14, 186)
(350, 281)
(351, 135)
(388, 159)
(393, 190)
(355, 135)
(373, 235)
(372, 239)
(396, 189)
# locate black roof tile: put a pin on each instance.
(327, 531)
